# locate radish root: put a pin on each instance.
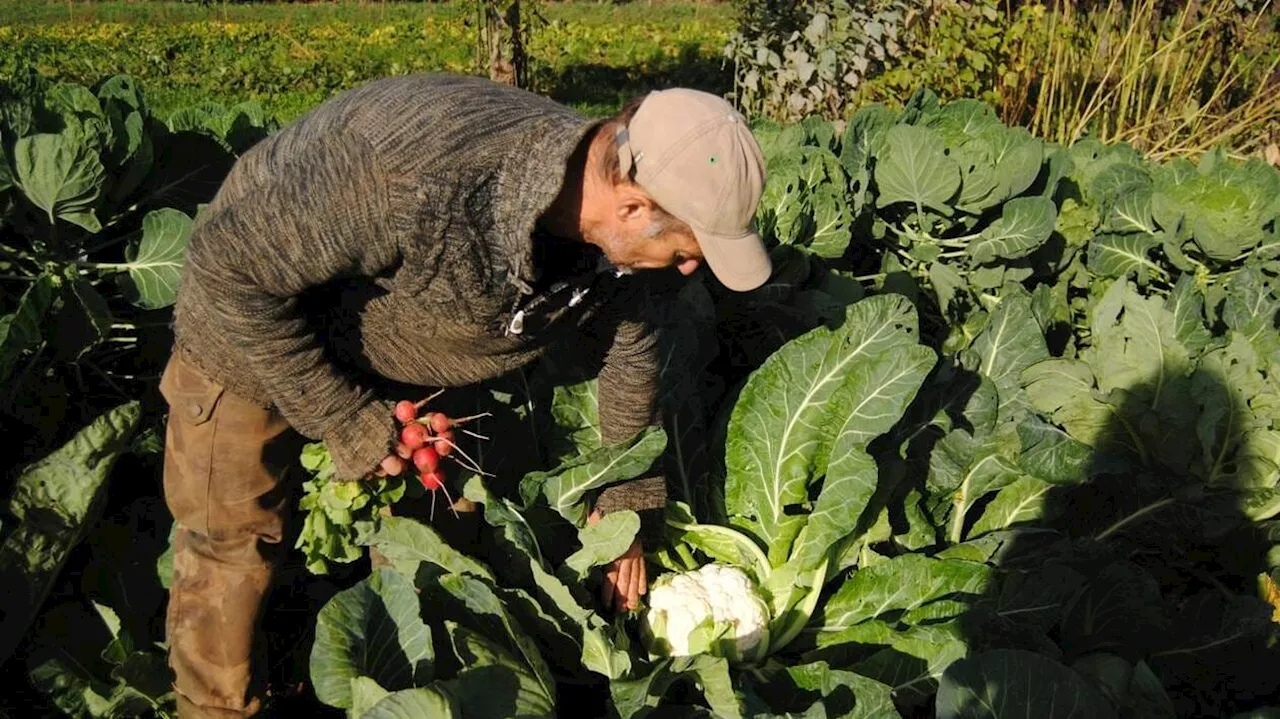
(422, 402)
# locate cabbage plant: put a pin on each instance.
(970, 484)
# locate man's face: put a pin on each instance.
(648, 250)
(633, 239)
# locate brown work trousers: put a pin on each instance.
(227, 468)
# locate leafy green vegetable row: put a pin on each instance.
(97, 196)
(1008, 430)
(292, 66)
(1005, 424)
(1019, 460)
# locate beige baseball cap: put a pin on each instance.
(695, 155)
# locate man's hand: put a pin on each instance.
(394, 464)
(626, 578)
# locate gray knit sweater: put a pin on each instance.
(397, 217)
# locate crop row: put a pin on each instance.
(290, 68)
(1004, 423)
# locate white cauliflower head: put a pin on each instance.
(720, 593)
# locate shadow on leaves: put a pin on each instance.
(1128, 553)
(607, 87)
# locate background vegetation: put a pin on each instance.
(1171, 78)
(293, 56)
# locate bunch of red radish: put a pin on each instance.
(428, 438)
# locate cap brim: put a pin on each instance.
(740, 262)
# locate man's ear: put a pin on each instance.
(634, 207)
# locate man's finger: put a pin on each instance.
(624, 583)
(637, 582)
(628, 590)
(643, 583)
(392, 465)
(610, 584)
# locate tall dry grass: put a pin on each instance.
(1171, 85)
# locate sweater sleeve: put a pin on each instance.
(627, 396)
(316, 215)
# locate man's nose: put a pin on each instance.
(687, 267)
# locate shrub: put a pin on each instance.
(805, 58)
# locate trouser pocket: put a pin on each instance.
(189, 442)
(226, 459)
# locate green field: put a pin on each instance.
(290, 58)
(577, 11)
